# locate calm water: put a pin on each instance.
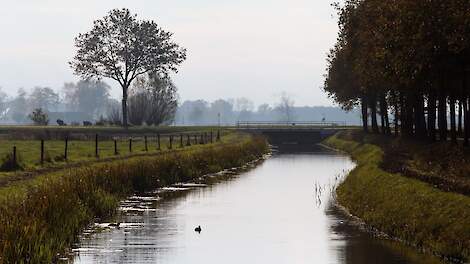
(279, 212)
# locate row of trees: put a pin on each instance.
(406, 58)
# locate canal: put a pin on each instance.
(278, 212)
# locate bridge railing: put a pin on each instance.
(292, 124)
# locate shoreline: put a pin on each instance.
(44, 215)
(366, 193)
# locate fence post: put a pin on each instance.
(188, 142)
(96, 146)
(218, 135)
(212, 137)
(66, 148)
(181, 141)
(171, 142)
(145, 141)
(158, 142)
(115, 147)
(42, 151)
(14, 156)
(130, 144)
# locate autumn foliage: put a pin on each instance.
(407, 58)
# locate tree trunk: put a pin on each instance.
(407, 115)
(373, 113)
(453, 132)
(403, 125)
(124, 107)
(419, 120)
(432, 116)
(466, 121)
(384, 115)
(397, 116)
(442, 117)
(459, 126)
(364, 114)
(382, 119)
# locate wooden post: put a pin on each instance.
(130, 144)
(66, 148)
(195, 139)
(14, 156)
(181, 141)
(96, 146)
(42, 151)
(145, 142)
(171, 142)
(218, 135)
(188, 142)
(212, 137)
(158, 142)
(115, 147)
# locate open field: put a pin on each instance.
(405, 208)
(83, 150)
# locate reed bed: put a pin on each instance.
(42, 217)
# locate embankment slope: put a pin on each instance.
(404, 208)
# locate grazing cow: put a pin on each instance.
(61, 122)
(87, 123)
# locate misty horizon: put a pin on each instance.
(256, 50)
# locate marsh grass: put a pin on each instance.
(402, 207)
(43, 216)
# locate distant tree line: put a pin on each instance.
(230, 111)
(408, 59)
(88, 99)
(153, 100)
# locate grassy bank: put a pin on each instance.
(402, 207)
(43, 216)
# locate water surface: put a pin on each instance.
(279, 212)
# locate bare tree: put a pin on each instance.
(19, 106)
(154, 100)
(138, 104)
(87, 96)
(114, 112)
(285, 108)
(163, 100)
(44, 98)
(122, 48)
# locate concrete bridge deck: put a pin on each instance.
(301, 136)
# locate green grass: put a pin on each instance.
(79, 151)
(402, 207)
(42, 216)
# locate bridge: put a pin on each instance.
(293, 136)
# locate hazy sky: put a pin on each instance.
(251, 48)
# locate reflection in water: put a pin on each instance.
(279, 212)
